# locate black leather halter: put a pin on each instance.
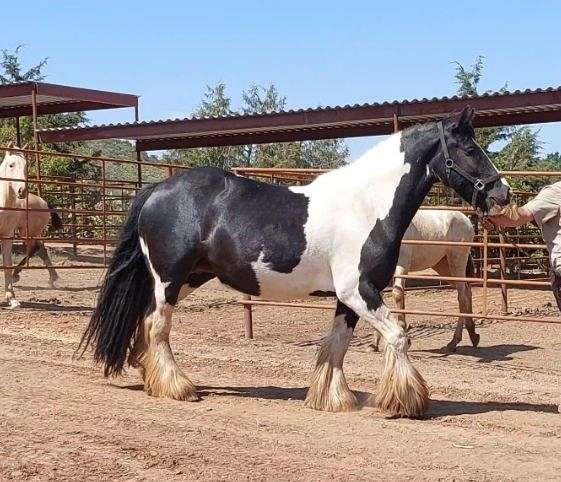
(478, 183)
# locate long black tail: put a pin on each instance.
(56, 220)
(124, 299)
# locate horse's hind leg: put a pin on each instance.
(44, 255)
(457, 263)
(151, 351)
(443, 269)
(465, 303)
(329, 390)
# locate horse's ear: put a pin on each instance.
(461, 121)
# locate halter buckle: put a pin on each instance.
(449, 163)
(479, 185)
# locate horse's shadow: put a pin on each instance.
(74, 289)
(485, 354)
(50, 307)
(437, 408)
(445, 408)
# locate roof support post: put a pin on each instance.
(18, 132)
(36, 136)
(138, 153)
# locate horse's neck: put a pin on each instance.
(394, 179)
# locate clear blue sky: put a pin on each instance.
(316, 52)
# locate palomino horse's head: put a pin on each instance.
(462, 164)
(14, 167)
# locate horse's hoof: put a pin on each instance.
(14, 304)
(475, 340)
(53, 284)
(451, 347)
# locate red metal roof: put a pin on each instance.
(16, 99)
(492, 109)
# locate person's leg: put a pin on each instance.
(556, 287)
(554, 260)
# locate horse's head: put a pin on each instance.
(462, 164)
(14, 167)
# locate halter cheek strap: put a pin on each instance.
(478, 184)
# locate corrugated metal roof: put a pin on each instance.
(492, 108)
(365, 105)
(16, 99)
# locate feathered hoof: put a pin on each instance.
(329, 391)
(163, 379)
(403, 391)
(179, 389)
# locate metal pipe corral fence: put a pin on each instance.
(93, 208)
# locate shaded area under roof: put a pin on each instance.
(16, 99)
(492, 109)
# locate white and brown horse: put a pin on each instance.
(13, 172)
(455, 261)
(32, 225)
(339, 234)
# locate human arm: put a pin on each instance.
(524, 215)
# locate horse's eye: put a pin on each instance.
(11, 165)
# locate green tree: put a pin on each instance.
(257, 100)
(511, 148)
(215, 103)
(468, 80)
(553, 161)
(12, 71)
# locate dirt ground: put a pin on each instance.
(493, 414)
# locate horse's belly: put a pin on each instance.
(306, 278)
(426, 257)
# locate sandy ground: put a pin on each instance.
(493, 414)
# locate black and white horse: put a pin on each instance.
(339, 234)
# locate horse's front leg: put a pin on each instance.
(329, 390)
(8, 283)
(402, 391)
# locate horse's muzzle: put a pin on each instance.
(22, 193)
(497, 198)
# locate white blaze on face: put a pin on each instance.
(344, 206)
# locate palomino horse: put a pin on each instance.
(37, 222)
(339, 234)
(13, 173)
(438, 225)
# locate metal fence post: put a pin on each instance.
(248, 318)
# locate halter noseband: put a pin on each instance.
(478, 183)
